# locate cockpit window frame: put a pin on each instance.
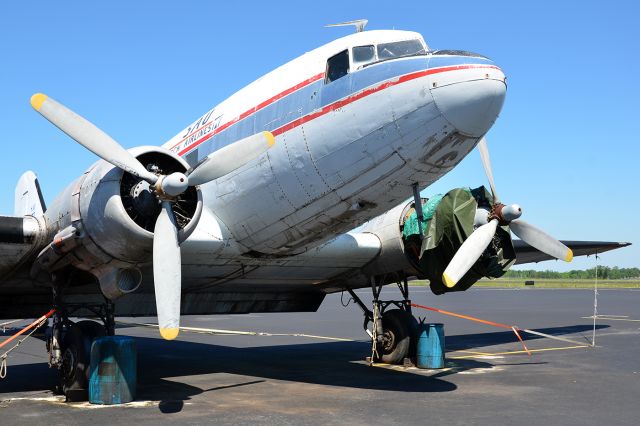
(362, 64)
(327, 79)
(424, 51)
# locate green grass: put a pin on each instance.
(547, 283)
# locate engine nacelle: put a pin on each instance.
(425, 248)
(103, 223)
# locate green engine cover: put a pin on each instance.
(448, 222)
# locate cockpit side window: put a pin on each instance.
(399, 48)
(337, 66)
(363, 55)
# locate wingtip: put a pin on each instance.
(169, 333)
(37, 100)
(448, 281)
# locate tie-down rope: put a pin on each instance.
(34, 325)
(513, 328)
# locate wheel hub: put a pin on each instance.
(68, 364)
(388, 341)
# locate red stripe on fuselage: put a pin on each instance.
(370, 91)
(250, 111)
(331, 107)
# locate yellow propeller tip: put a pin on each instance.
(448, 281)
(37, 100)
(270, 138)
(569, 257)
(169, 333)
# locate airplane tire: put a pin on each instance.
(74, 373)
(397, 328)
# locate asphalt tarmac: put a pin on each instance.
(282, 377)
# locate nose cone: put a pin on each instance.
(470, 99)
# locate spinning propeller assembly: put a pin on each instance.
(166, 250)
(504, 215)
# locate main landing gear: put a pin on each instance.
(392, 331)
(69, 344)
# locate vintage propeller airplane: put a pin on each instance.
(292, 188)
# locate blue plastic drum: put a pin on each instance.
(113, 372)
(430, 350)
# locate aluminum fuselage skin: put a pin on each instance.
(346, 152)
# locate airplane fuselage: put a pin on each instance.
(357, 122)
(346, 150)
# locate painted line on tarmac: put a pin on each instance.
(521, 352)
(469, 352)
(609, 318)
(613, 316)
(216, 331)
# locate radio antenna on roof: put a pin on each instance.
(358, 23)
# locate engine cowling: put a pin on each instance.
(425, 249)
(103, 222)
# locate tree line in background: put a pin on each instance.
(604, 272)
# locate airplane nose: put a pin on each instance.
(470, 100)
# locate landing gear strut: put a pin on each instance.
(69, 344)
(392, 330)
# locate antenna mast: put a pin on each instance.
(358, 23)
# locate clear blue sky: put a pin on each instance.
(566, 146)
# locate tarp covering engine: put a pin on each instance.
(448, 221)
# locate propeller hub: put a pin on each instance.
(505, 213)
(511, 212)
(172, 185)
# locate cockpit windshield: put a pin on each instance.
(399, 48)
(366, 55)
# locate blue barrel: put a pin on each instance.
(112, 374)
(430, 350)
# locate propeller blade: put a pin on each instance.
(541, 240)
(167, 274)
(486, 163)
(231, 157)
(468, 253)
(88, 135)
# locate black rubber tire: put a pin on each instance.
(398, 329)
(76, 354)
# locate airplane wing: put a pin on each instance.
(527, 254)
(21, 235)
(20, 238)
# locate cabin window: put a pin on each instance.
(399, 48)
(363, 55)
(337, 66)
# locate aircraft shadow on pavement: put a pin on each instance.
(160, 362)
(474, 341)
(326, 363)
